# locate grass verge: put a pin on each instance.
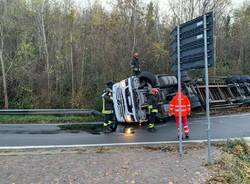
(234, 165)
(24, 119)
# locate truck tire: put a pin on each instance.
(167, 81)
(184, 77)
(114, 126)
(233, 79)
(248, 79)
(148, 77)
(245, 78)
(195, 102)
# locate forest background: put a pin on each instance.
(60, 54)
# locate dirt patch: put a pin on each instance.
(175, 147)
(167, 148)
(135, 164)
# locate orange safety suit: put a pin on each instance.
(185, 110)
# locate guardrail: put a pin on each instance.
(49, 112)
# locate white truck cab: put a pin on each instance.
(130, 96)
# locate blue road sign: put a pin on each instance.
(192, 46)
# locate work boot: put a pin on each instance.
(151, 127)
(179, 137)
(107, 130)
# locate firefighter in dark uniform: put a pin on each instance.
(153, 101)
(108, 109)
(135, 64)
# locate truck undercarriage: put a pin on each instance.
(130, 95)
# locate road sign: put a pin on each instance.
(193, 49)
(192, 43)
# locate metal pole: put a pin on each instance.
(179, 91)
(214, 40)
(207, 89)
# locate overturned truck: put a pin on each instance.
(130, 95)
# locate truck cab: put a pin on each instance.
(130, 96)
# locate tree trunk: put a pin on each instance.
(6, 101)
(157, 25)
(46, 50)
(134, 14)
(72, 67)
(82, 68)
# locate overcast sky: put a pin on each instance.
(237, 3)
(163, 4)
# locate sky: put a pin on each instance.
(237, 3)
(163, 4)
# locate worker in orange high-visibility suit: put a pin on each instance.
(185, 111)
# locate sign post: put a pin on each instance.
(179, 92)
(207, 89)
(194, 49)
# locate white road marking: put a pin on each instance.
(114, 144)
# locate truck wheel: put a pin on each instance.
(167, 81)
(148, 77)
(245, 78)
(233, 79)
(114, 126)
(184, 77)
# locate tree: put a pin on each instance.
(56, 54)
(2, 20)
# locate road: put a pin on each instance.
(231, 126)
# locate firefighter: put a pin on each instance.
(153, 101)
(185, 111)
(108, 108)
(135, 64)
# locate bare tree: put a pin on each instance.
(157, 21)
(134, 19)
(42, 14)
(72, 67)
(6, 101)
(186, 10)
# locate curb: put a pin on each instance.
(117, 144)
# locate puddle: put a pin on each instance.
(95, 129)
(30, 131)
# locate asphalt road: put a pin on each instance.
(231, 126)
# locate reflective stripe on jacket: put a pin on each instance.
(107, 104)
(153, 103)
(185, 105)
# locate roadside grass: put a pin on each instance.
(234, 165)
(25, 119)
